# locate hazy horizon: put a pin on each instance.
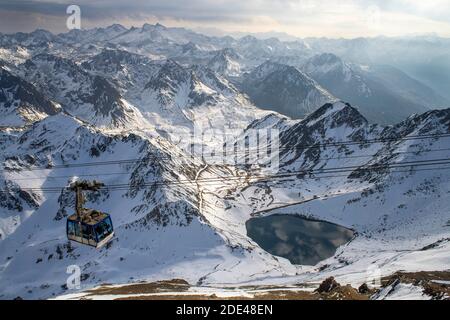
(281, 35)
(302, 19)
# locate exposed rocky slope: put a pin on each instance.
(284, 89)
(20, 102)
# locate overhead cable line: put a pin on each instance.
(349, 169)
(156, 157)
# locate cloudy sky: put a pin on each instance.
(303, 18)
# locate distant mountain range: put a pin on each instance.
(353, 70)
(383, 93)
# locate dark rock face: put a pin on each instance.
(103, 97)
(284, 89)
(173, 78)
(364, 289)
(328, 285)
(169, 77)
(66, 82)
(302, 138)
(222, 61)
(18, 93)
(13, 198)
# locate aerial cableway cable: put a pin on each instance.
(286, 146)
(305, 174)
(126, 173)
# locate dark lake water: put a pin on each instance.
(300, 240)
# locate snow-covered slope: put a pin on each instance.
(284, 89)
(130, 72)
(90, 97)
(384, 94)
(400, 213)
(226, 62)
(20, 102)
(181, 96)
(189, 228)
(77, 36)
(160, 228)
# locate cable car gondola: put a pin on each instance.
(88, 226)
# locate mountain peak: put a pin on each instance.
(339, 112)
(325, 63)
(116, 27)
(117, 57)
(225, 61)
(42, 33)
(268, 67)
(325, 58)
(284, 89)
(88, 96)
(248, 39)
(21, 102)
(151, 27)
(430, 122)
(147, 26)
(169, 76)
(172, 65)
(190, 48)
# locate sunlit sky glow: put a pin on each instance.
(302, 18)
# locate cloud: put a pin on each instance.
(332, 18)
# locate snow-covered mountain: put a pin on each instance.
(158, 33)
(191, 229)
(77, 36)
(161, 220)
(258, 50)
(114, 104)
(226, 62)
(284, 89)
(37, 38)
(89, 97)
(398, 211)
(181, 96)
(21, 103)
(187, 47)
(384, 94)
(128, 71)
(168, 93)
(423, 57)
